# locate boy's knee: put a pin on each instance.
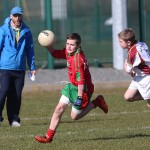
(59, 110)
(127, 98)
(74, 117)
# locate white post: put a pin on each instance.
(42, 9)
(119, 16)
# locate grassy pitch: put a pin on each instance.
(126, 126)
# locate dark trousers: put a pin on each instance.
(11, 86)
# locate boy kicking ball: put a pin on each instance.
(80, 89)
(137, 65)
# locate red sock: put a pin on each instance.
(50, 134)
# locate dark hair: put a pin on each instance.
(127, 35)
(75, 36)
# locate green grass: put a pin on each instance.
(126, 126)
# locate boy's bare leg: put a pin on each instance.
(59, 110)
(84, 112)
(55, 120)
(56, 117)
(98, 102)
(132, 95)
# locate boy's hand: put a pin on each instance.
(78, 102)
(132, 73)
(128, 67)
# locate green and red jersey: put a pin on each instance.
(78, 69)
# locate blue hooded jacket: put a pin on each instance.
(12, 56)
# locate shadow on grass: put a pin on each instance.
(83, 121)
(71, 121)
(123, 137)
(111, 138)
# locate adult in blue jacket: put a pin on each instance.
(16, 47)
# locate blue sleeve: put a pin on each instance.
(1, 39)
(30, 52)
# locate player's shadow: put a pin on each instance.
(87, 120)
(121, 137)
(68, 122)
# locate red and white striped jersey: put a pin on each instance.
(139, 59)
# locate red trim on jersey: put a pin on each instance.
(131, 54)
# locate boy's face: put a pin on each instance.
(123, 44)
(71, 46)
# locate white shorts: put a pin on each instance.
(142, 84)
(64, 99)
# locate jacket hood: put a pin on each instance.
(7, 20)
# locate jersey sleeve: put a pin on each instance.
(59, 54)
(140, 58)
(137, 60)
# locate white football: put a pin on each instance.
(46, 38)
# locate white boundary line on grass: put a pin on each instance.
(75, 132)
(90, 114)
(89, 130)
